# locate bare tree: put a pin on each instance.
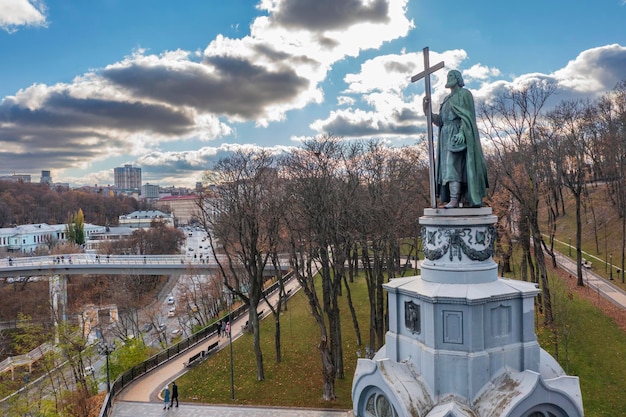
(159, 239)
(611, 158)
(236, 213)
(513, 122)
(389, 176)
(316, 242)
(572, 123)
(200, 298)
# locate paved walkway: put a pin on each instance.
(139, 409)
(607, 289)
(141, 398)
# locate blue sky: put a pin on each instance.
(86, 86)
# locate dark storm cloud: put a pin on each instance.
(233, 87)
(277, 56)
(65, 131)
(321, 15)
(342, 126)
(190, 163)
(50, 159)
(407, 115)
(60, 110)
(399, 67)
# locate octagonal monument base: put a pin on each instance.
(461, 340)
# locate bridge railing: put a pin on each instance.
(90, 259)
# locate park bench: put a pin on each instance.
(200, 356)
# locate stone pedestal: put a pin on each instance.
(461, 341)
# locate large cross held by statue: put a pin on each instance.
(429, 121)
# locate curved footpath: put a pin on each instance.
(141, 398)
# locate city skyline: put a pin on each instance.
(171, 88)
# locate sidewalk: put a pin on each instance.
(141, 398)
(604, 287)
(137, 409)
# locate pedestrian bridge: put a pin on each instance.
(92, 264)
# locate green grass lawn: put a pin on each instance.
(598, 358)
(296, 381)
(597, 350)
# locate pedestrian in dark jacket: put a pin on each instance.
(174, 394)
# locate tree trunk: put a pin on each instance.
(328, 371)
(355, 321)
(277, 338)
(543, 275)
(579, 255)
(254, 320)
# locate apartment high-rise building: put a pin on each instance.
(150, 191)
(127, 177)
(46, 178)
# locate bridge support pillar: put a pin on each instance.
(58, 299)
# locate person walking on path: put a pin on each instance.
(227, 334)
(174, 394)
(166, 397)
(219, 329)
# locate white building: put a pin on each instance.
(26, 239)
(109, 234)
(142, 219)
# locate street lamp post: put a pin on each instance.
(570, 246)
(105, 349)
(230, 342)
(611, 271)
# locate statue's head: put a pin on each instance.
(455, 75)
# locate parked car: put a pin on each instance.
(146, 328)
(89, 370)
(170, 300)
(171, 312)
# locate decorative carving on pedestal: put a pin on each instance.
(476, 243)
(412, 317)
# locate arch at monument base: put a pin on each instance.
(461, 341)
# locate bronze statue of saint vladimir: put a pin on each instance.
(460, 168)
